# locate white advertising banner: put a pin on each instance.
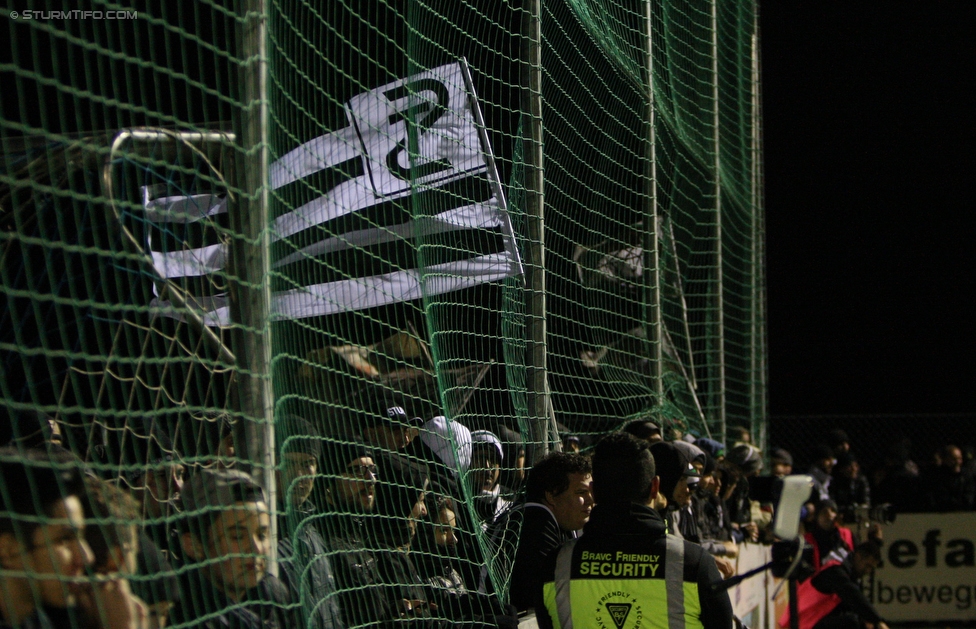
(928, 572)
(749, 597)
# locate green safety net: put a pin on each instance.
(397, 144)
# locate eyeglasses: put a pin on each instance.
(365, 472)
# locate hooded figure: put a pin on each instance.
(692, 452)
(678, 480)
(487, 457)
(673, 466)
(450, 441)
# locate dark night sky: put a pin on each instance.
(870, 149)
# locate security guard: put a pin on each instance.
(625, 572)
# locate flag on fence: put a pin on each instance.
(374, 214)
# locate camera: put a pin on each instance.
(784, 553)
(882, 514)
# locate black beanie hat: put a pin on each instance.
(337, 455)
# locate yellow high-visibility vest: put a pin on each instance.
(623, 594)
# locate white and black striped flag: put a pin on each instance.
(351, 238)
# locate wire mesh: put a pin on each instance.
(399, 139)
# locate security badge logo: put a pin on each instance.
(619, 613)
(618, 607)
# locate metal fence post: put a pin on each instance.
(537, 394)
(250, 291)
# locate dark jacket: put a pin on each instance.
(686, 522)
(37, 620)
(307, 573)
(401, 581)
(738, 504)
(52, 618)
(447, 588)
(205, 607)
(715, 519)
(361, 600)
(445, 585)
(945, 490)
(638, 531)
(537, 534)
(841, 580)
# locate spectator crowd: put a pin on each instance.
(395, 520)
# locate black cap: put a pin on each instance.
(386, 409)
(642, 428)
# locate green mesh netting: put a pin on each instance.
(399, 150)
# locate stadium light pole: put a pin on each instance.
(250, 290)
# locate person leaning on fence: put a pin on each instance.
(743, 514)
(833, 599)
(678, 481)
(445, 446)
(43, 552)
(402, 504)
(557, 504)
(436, 556)
(714, 521)
(302, 551)
(350, 497)
(487, 457)
(225, 542)
(626, 569)
(711, 537)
